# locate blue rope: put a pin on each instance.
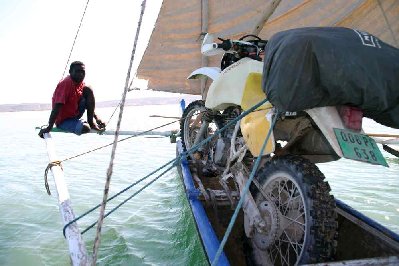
(129, 198)
(244, 193)
(119, 193)
(174, 161)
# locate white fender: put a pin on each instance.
(205, 72)
(229, 88)
(327, 118)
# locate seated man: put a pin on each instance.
(70, 100)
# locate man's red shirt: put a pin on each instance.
(68, 93)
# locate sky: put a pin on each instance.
(36, 37)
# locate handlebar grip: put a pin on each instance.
(225, 45)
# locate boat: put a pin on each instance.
(171, 55)
(361, 240)
(176, 42)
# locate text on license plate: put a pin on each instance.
(359, 147)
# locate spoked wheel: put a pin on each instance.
(190, 125)
(296, 204)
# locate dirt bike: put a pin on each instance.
(289, 214)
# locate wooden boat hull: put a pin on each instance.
(361, 240)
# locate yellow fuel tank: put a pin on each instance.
(255, 126)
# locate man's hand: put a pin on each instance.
(51, 120)
(44, 130)
(100, 123)
(96, 128)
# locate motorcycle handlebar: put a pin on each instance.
(225, 45)
(228, 44)
(210, 49)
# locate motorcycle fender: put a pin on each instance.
(205, 72)
(254, 128)
(229, 88)
(327, 118)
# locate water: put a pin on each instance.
(155, 227)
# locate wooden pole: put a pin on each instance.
(77, 248)
(268, 11)
(97, 240)
(162, 116)
(382, 135)
(204, 30)
(166, 133)
(385, 141)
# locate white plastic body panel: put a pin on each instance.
(211, 49)
(228, 89)
(327, 118)
(210, 72)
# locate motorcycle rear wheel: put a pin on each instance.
(300, 211)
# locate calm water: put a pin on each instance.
(154, 228)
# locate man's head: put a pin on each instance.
(77, 71)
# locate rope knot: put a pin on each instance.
(49, 166)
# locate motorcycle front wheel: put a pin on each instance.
(190, 125)
(296, 204)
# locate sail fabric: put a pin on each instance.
(331, 66)
(174, 48)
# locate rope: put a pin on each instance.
(76, 36)
(116, 195)
(110, 168)
(242, 197)
(107, 145)
(109, 120)
(129, 198)
(104, 146)
(174, 161)
(131, 82)
(49, 166)
(217, 132)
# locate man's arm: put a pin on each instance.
(51, 120)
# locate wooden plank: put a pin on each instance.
(362, 224)
(124, 132)
(387, 261)
(382, 135)
(77, 248)
(386, 141)
(132, 133)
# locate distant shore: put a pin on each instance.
(129, 102)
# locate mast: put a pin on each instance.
(266, 14)
(204, 30)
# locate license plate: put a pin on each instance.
(359, 147)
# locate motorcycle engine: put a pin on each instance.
(222, 145)
(222, 151)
